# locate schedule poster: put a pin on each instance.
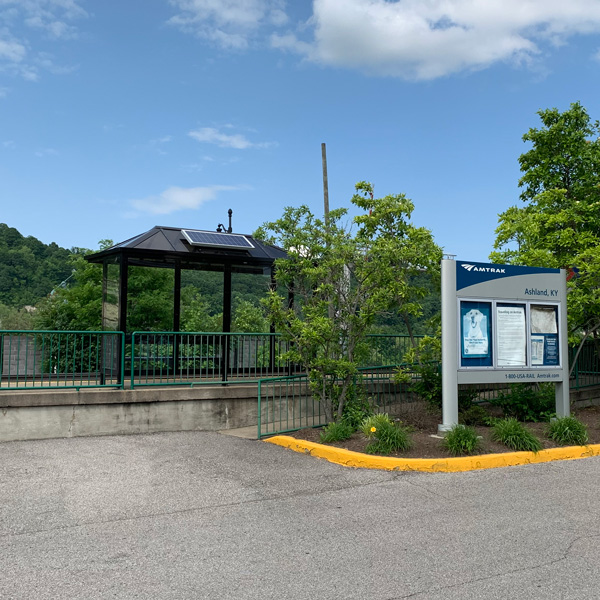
(511, 335)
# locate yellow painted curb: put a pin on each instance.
(348, 458)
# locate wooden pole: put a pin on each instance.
(325, 183)
(326, 207)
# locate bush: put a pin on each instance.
(515, 435)
(429, 387)
(474, 415)
(356, 408)
(568, 431)
(461, 439)
(525, 402)
(336, 432)
(387, 436)
(429, 384)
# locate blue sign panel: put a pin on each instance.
(472, 273)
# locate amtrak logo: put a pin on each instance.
(473, 268)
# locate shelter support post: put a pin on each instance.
(176, 315)
(226, 339)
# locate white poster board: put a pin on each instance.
(511, 336)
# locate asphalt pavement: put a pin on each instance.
(203, 515)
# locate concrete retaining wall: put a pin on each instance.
(42, 415)
(29, 415)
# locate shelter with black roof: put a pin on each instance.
(179, 249)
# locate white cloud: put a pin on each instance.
(23, 20)
(51, 16)
(228, 23)
(211, 135)
(177, 198)
(426, 39)
(11, 50)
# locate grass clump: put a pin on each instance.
(386, 435)
(515, 435)
(336, 432)
(567, 431)
(374, 423)
(461, 439)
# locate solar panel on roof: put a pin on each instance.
(222, 240)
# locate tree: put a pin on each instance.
(344, 275)
(76, 305)
(15, 318)
(559, 225)
(29, 269)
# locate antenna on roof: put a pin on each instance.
(221, 227)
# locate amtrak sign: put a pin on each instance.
(502, 324)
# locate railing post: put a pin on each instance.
(258, 416)
(225, 344)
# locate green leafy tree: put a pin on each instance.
(344, 274)
(559, 224)
(196, 313)
(76, 305)
(15, 318)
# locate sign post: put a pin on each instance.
(502, 324)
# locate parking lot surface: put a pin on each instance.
(203, 515)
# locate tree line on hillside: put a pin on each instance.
(48, 287)
(29, 269)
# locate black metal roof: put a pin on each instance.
(169, 244)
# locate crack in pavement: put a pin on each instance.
(301, 494)
(564, 556)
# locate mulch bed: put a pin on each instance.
(425, 424)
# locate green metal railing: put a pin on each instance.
(165, 358)
(175, 358)
(388, 349)
(586, 372)
(33, 359)
(287, 404)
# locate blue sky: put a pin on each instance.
(116, 116)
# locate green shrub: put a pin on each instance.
(474, 415)
(525, 402)
(567, 431)
(357, 408)
(429, 384)
(386, 435)
(336, 432)
(461, 439)
(515, 435)
(429, 387)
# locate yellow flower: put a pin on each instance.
(373, 429)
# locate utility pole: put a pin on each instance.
(325, 184)
(326, 208)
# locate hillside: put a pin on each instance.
(29, 269)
